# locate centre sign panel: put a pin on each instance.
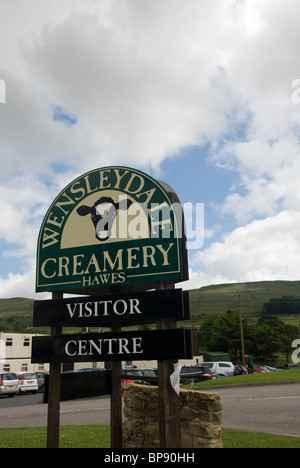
(113, 226)
(119, 346)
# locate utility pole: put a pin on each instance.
(241, 328)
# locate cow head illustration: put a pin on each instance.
(103, 214)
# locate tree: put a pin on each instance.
(264, 339)
(221, 332)
(273, 336)
(285, 305)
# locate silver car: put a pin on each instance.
(40, 375)
(221, 368)
(9, 384)
(27, 382)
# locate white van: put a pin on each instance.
(28, 382)
(221, 369)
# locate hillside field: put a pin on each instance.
(16, 313)
(220, 298)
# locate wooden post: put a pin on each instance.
(116, 402)
(54, 393)
(168, 400)
(241, 329)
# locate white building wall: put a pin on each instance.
(15, 353)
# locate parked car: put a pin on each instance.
(137, 373)
(9, 384)
(291, 366)
(150, 373)
(221, 368)
(40, 375)
(196, 373)
(265, 368)
(27, 382)
(91, 369)
(240, 370)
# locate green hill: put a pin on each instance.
(16, 313)
(214, 299)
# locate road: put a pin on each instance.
(268, 408)
(271, 409)
(29, 411)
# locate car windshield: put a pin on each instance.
(208, 364)
(133, 372)
(9, 377)
(29, 376)
(149, 373)
(192, 370)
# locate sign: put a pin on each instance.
(118, 346)
(106, 310)
(113, 226)
(85, 384)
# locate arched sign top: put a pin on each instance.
(111, 227)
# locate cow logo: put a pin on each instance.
(103, 214)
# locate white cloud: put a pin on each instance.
(267, 174)
(17, 285)
(263, 249)
(142, 84)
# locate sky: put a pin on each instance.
(202, 94)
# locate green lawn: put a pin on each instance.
(233, 438)
(292, 375)
(70, 437)
(99, 437)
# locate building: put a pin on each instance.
(15, 353)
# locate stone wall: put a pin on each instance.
(201, 414)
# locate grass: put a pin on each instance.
(233, 438)
(292, 375)
(70, 437)
(99, 437)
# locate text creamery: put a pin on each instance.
(105, 261)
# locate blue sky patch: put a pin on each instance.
(60, 115)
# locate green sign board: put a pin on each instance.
(112, 226)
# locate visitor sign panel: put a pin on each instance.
(113, 226)
(140, 307)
